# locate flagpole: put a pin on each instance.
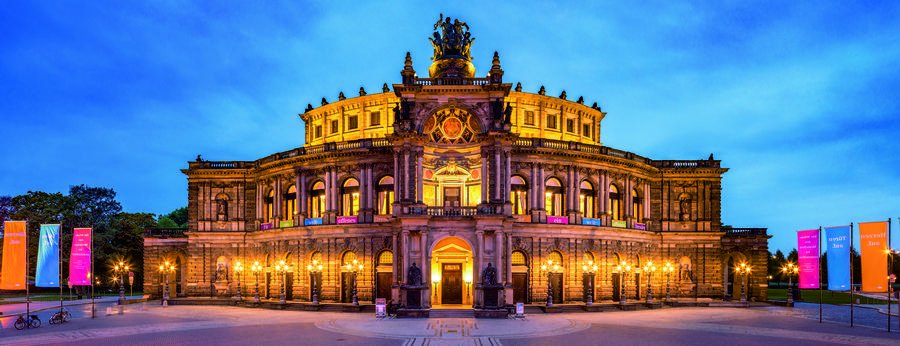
(91, 275)
(820, 274)
(59, 262)
(889, 257)
(27, 292)
(851, 275)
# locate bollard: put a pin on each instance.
(121, 309)
(165, 303)
(108, 310)
(144, 306)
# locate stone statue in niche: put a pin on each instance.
(221, 272)
(414, 275)
(684, 203)
(222, 210)
(685, 273)
(489, 275)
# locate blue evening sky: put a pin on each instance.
(799, 100)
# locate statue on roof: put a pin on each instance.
(451, 37)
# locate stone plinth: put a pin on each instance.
(492, 313)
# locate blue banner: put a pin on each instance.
(47, 273)
(838, 250)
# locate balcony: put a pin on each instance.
(744, 232)
(165, 232)
(486, 209)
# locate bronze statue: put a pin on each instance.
(451, 37)
(414, 275)
(489, 275)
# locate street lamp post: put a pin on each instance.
(238, 268)
(550, 268)
(790, 269)
(120, 270)
(744, 269)
(314, 269)
(668, 270)
(281, 269)
(649, 268)
(256, 268)
(166, 269)
(623, 269)
(353, 268)
(589, 269)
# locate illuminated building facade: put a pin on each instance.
(455, 172)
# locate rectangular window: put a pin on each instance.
(334, 127)
(551, 121)
(529, 118)
(375, 118)
(352, 123)
(318, 131)
(570, 125)
(586, 130)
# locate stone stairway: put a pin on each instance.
(452, 313)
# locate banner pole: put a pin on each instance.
(851, 275)
(91, 275)
(59, 260)
(890, 260)
(27, 292)
(820, 274)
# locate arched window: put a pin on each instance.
(385, 192)
(588, 258)
(349, 257)
(518, 258)
(519, 195)
(350, 197)
(555, 259)
(385, 258)
(290, 202)
(270, 207)
(586, 200)
(315, 258)
(615, 203)
(317, 200)
(555, 198)
(638, 205)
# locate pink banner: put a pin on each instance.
(346, 219)
(808, 251)
(558, 219)
(80, 265)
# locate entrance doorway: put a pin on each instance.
(556, 280)
(451, 196)
(451, 265)
(346, 287)
(617, 287)
(451, 276)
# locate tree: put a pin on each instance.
(179, 216)
(166, 222)
(793, 256)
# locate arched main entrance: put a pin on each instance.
(451, 269)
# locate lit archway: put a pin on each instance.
(451, 269)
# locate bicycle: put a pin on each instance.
(32, 320)
(61, 316)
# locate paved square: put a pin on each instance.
(201, 325)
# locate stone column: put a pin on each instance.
(259, 205)
(484, 177)
(298, 187)
(646, 201)
(404, 235)
(498, 255)
(629, 202)
(301, 192)
(498, 175)
(276, 202)
(406, 195)
(419, 177)
(507, 194)
(396, 174)
(327, 189)
(426, 267)
(395, 262)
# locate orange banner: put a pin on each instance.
(872, 246)
(14, 243)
